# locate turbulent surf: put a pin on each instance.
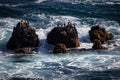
(44, 15)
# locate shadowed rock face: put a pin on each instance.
(60, 48)
(23, 36)
(99, 33)
(67, 35)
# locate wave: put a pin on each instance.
(64, 66)
(109, 12)
(15, 1)
(13, 5)
(8, 22)
(2, 34)
(103, 2)
(8, 12)
(39, 1)
(111, 2)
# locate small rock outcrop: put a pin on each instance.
(66, 35)
(99, 33)
(60, 48)
(23, 37)
(98, 36)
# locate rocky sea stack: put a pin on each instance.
(23, 37)
(98, 36)
(66, 35)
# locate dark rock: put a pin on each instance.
(67, 35)
(23, 36)
(60, 48)
(98, 45)
(99, 33)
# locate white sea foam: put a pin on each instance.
(2, 34)
(8, 22)
(96, 62)
(13, 5)
(6, 25)
(47, 66)
(39, 1)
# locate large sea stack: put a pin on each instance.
(66, 35)
(23, 37)
(98, 36)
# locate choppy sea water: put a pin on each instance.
(74, 65)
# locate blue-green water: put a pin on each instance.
(74, 65)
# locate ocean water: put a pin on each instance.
(74, 65)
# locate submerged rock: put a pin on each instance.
(23, 36)
(60, 48)
(98, 36)
(67, 35)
